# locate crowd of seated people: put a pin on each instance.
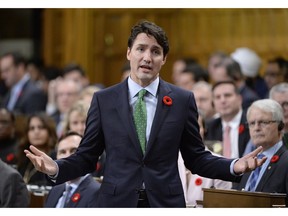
(39, 105)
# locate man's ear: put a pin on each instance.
(128, 53)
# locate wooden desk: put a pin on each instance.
(216, 198)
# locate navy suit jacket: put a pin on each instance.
(110, 126)
(87, 190)
(214, 132)
(275, 177)
(31, 99)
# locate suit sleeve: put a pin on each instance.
(15, 193)
(91, 147)
(196, 158)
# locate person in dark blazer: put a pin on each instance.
(265, 120)
(24, 97)
(13, 190)
(148, 177)
(85, 187)
(227, 102)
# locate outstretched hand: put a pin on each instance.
(249, 162)
(41, 161)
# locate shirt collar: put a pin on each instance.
(19, 85)
(74, 184)
(272, 150)
(134, 87)
(234, 123)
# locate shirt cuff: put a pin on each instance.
(232, 168)
(53, 178)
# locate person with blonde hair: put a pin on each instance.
(76, 117)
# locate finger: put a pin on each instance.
(261, 161)
(255, 152)
(34, 150)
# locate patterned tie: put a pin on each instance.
(255, 175)
(227, 142)
(140, 119)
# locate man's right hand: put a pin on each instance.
(41, 161)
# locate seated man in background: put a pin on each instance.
(77, 193)
(13, 190)
(265, 121)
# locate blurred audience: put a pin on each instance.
(250, 64)
(213, 61)
(76, 73)
(23, 92)
(229, 69)
(66, 93)
(8, 139)
(279, 93)
(125, 70)
(179, 65)
(203, 96)
(40, 132)
(275, 71)
(87, 93)
(191, 74)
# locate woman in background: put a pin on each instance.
(40, 131)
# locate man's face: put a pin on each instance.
(262, 134)
(146, 59)
(226, 101)
(68, 146)
(66, 94)
(8, 71)
(186, 81)
(203, 97)
(6, 125)
(273, 75)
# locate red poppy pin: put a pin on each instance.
(98, 166)
(274, 159)
(10, 157)
(198, 181)
(167, 100)
(241, 128)
(75, 198)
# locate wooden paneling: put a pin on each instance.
(97, 38)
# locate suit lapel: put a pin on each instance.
(269, 170)
(243, 137)
(160, 113)
(124, 110)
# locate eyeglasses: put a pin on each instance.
(261, 123)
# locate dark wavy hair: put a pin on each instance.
(152, 29)
(49, 124)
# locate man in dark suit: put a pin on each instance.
(265, 120)
(144, 175)
(227, 102)
(24, 97)
(13, 190)
(84, 189)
